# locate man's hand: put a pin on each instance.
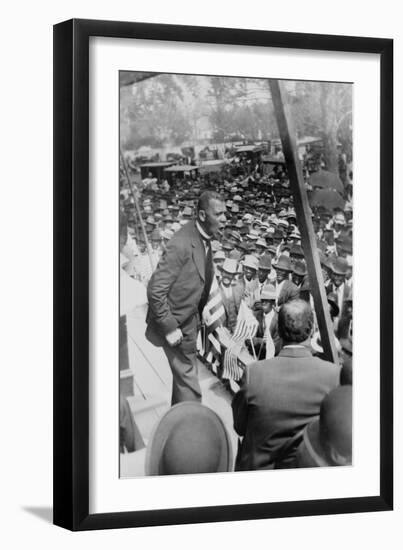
(174, 338)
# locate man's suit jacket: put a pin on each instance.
(237, 295)
(288, 292)
(176, 286)
(277, 399)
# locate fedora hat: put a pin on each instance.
(261, 242)
(300, 268)
(339, 266)
(340, 218)
(296, 250)
(230, 265)
(189, 439)
(268, 292)
(283, 263)
(235, 255)
(155, 235)
(265, 262)
(226, 245)
(215, 245)
(253, 235)
(329, 438)
(324, 260)
(167, 234)
(218, 256)
(187, 211)
(251, 261)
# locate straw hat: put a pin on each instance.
(268, 293)
(250, 261)
(230, 265)
(283, 263)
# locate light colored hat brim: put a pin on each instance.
(171, 420)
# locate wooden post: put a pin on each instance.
(303, 213)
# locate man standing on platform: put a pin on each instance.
(178, 291)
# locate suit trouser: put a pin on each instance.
(185, 383)
(183, 362)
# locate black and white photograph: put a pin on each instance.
(236, 274)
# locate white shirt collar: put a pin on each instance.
(202, 232)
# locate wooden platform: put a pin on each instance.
(153, 387)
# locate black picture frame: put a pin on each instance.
(71, 273)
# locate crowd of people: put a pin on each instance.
(209, 248)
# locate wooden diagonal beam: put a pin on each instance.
(303, 212)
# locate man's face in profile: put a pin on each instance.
(213, 218)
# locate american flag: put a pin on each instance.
(213, 317)
(246, 327)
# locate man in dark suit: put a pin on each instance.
(178, 291)
(285, 289)
(231, 292)
(280, 396)
(267, 341)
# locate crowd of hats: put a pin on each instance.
(261, 233)
(261, 220)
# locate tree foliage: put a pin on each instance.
(173, 109)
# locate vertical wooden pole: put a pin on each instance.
(136, 203)
(303, 213)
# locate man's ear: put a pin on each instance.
(202, 215)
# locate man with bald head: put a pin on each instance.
(280, 396)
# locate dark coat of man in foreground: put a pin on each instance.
(177, 292)
(280, 396)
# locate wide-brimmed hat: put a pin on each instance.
(215, 245)
(300, 268)
(253, 235)
(333, 429)
(261, 242)
(156, 235)
(324, 260)
(265, 262)
(283, 263)
(226, 245)
(251, 262)
(219, 255)
(189, 439)
(235, 255)
(339, 266)
(230, 265)
(167, 234)
(340, 218)
(268, 292)
(296, 250)
(187, 211)
(236, 236)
